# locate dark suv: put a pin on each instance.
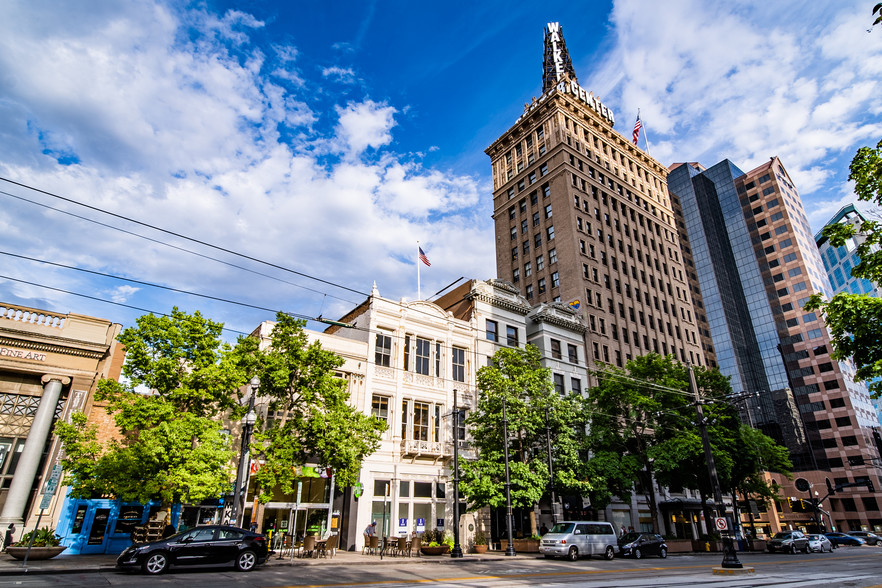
(640, 544)
(788, 541)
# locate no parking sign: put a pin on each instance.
(720, 523)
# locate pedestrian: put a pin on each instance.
(371, 530)
(10, 536)
(622, 532)
(253, 527)
(543, 530)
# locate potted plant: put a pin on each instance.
(480, 545)
(46, 545)
(434, 543)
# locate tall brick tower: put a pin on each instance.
(583, 216)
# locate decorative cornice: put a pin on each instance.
(52, 348)
(559, 314)
(486, 291)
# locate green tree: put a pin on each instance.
(517, 376)
(855, 320)
(171, 447)
(313, 421)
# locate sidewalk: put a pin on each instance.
(72, 564)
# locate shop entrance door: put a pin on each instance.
(94, 532)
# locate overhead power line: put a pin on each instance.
(170, 245)
(180, 236)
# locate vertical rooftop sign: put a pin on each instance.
(556, 61)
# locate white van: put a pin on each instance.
(573, 539)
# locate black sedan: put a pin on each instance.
(640, 544)
(870, 538)
(838, 539)
(202, 546)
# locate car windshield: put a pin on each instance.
(782, 535)
(629, 538)
(562, 528)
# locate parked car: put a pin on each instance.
(870, 538)
(819, 543)
(202, 546)
(573, 539)
(838, 539)
(640, 544)
(788, 541)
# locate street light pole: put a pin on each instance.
(550, 469)
(244, 460)
(730, 556)
(456, 552)
(510, 550)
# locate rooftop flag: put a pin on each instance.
(423, 257)
(637, 126)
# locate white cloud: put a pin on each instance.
(341, 74)
(363, 125)
(208, 136)
(748, 80)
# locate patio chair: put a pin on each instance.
(375, 544)
(401, 548)
(308, 546)
(330, 546)
(415, 546)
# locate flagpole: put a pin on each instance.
(419, 294)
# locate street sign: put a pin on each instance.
(721, 524)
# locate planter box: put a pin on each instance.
(36, 552)
(437, 550)
(679, 545)
(480, 548)
(757, 545)
(522, 545)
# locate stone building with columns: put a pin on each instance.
(49, 365)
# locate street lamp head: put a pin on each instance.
(255, 383)
(250, 418)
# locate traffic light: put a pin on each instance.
(870, 487)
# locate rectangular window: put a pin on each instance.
(540, 263)
(550, 231)
(380, 407)
(492, 329)
(576, 385)
(559, 384)
(555, 280)
(511, 336)
(555, 349)
(528, 269)
(573, 353)
(383, 353)
(420, 421)
(541, 285)
(552, 256)
(458, 359)
(516, 275)
(423, 353)
(404, 412)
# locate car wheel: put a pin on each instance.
(156, 563)
(573, 553)
(793, 549)
(663, 553)
(638, 554)
(805, 549)
(246, 561)
(610, 553)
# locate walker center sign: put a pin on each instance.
(19, 354)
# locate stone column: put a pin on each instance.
(26, 471)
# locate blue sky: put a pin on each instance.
(329, 138)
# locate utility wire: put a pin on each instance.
(177, 247)
(180, 236)
(169, 288)
(100, 300)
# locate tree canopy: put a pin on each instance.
(179, 380)
(855, 320)
(309, 417)
(517, 376)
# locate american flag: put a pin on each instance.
(637, 126)
(423, 257)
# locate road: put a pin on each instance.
(847, 567)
